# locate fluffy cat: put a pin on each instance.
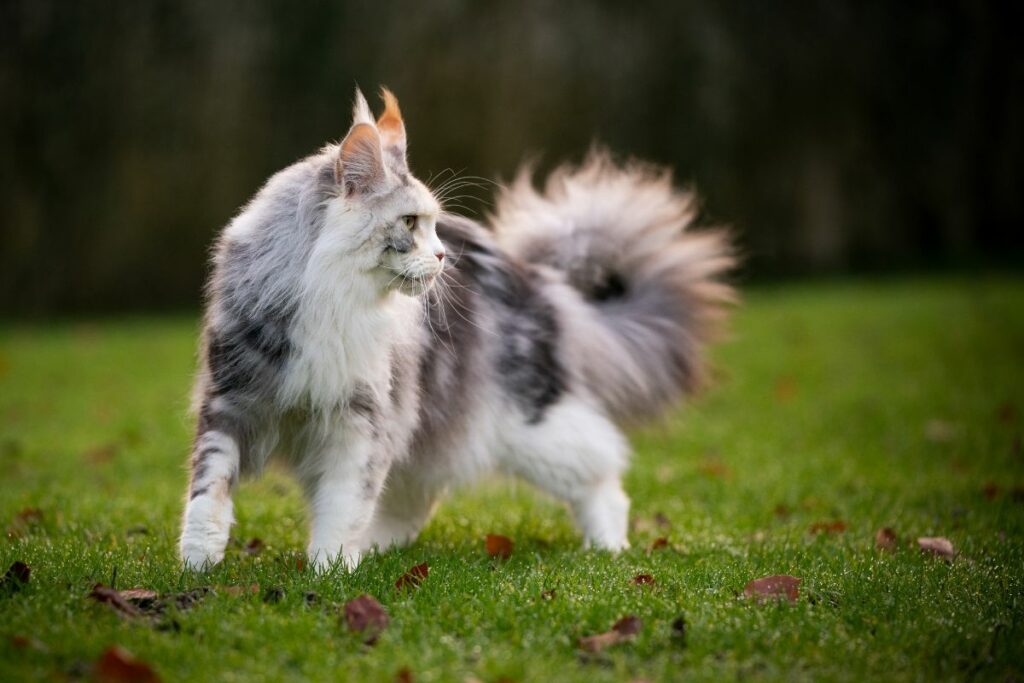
(388, 351)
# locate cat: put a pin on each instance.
(386, 350)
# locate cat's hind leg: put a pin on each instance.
(405, 506)
(577, 454)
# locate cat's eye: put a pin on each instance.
(410, 222)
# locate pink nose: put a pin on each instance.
(439, 255)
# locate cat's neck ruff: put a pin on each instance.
(344, 328)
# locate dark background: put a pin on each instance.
(835, 137)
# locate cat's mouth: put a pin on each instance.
(410, 284)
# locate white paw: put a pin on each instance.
(196, 557)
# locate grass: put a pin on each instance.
(879, 404)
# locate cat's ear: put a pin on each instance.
(359, 168)
(392, 129)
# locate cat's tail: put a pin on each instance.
(653, 291)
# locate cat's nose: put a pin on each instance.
(439, 255)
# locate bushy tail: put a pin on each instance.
(654, 290)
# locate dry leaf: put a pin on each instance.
(781, 586)
(499, 546)
(622, 630)
(413, 577)
(785, 389)
(254, 547)
(837, 526)
(886, 539)
(365, 615)
(117, 665)
(643, 580)
(404, 675)
(101, 454)
(109, 596)
(938, 546)
(658, 544)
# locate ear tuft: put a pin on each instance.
(392, 129)
(361, 110)
(359, 168)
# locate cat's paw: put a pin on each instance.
(195, 557)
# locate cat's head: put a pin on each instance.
(382, 212)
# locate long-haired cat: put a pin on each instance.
(388, 351)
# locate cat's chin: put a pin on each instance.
(411, 286)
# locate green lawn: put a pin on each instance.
(893, 404)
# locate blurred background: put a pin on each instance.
(836, 137)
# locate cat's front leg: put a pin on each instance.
(209, 512)
(343, 484)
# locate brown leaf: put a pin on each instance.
(937, 546)
(643, 580)
(837, 526)
(404, 675)
(117, 665)
(15, 578)
(413, 577)
(778, 587)
(622, 630)
(140, 597)
(785, 389)
(101, 454)
(114, 599)
(255, 546)
(236, 591)
(499, 546)
(782, 511)
(367, 616)
(658, 544)
(886, 539)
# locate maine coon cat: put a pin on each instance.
(388, 351)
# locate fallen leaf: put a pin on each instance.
(404, 675)
(499, 546)
(886, 539)
(114, 599)
(365, 615)
(622, 630)
(254, 547)
(781, 586)
(117, 665)
(643, 580)
(414, 577)
(143, 598)
(785, 389)
(715, 468)
(937, 546)
(101, 454)
(236, 591)
(658, 544)
(15, 578)
(837, 526)
(782, 511)
(25, 642)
